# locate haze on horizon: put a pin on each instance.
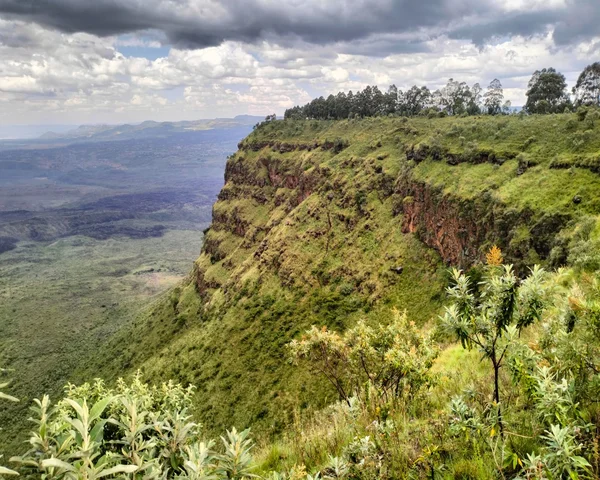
(117, 61)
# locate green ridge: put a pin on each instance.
(309, 230)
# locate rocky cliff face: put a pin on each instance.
(443, 223)
(259, 192)
(461, 230)
(266, 180)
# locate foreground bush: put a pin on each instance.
(133, 431)
(5, 396)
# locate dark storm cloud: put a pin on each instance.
(525, 24)
(201, 23)
(580, 22)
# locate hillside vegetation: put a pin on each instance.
(347, 224)
(329, 222)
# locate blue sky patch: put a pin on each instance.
(150, 53)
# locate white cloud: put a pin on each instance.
(47, 76)
(22, 84)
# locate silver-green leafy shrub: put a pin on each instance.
(5, 396)
(134, 430)
(493, 319)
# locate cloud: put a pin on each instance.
(63, 60)
(386, 26)
(518, 23)
(580, 22)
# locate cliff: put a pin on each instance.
(327, 222)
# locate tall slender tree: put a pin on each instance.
(474, 104)
(587, 88)
(494, 97)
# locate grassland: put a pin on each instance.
(91, 235)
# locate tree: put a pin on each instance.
(493, 97)
(474, 104)
(294, 113)
(377, 102)
(342, 106)
(503, 310)
(587, 88)
(391, 100)
(546, 92)
(414, 100)
(436, 101)
(364, 101)
(453, 98)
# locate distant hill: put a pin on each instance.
(147, 129)
(14, 132)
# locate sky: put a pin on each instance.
(116, 61)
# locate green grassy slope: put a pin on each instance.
(326, 222)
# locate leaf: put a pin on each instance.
(118, 469)
(8, 397)
(7, 471)
(581, 461)
(56, 463)
(97, 431)
(76, 423)
(99, 407)
(75, 406)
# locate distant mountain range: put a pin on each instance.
(64, 135)
(148, 129)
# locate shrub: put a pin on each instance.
(435, 146)
(560, 458)
(471, 151)
(5, 396)
(505, 308)
(582, 113)
(394, 359)
(523, 163)
(96, 432)
(579, 140)
(340, 144)
(530, 141)
(571, 125)
(454, 131)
